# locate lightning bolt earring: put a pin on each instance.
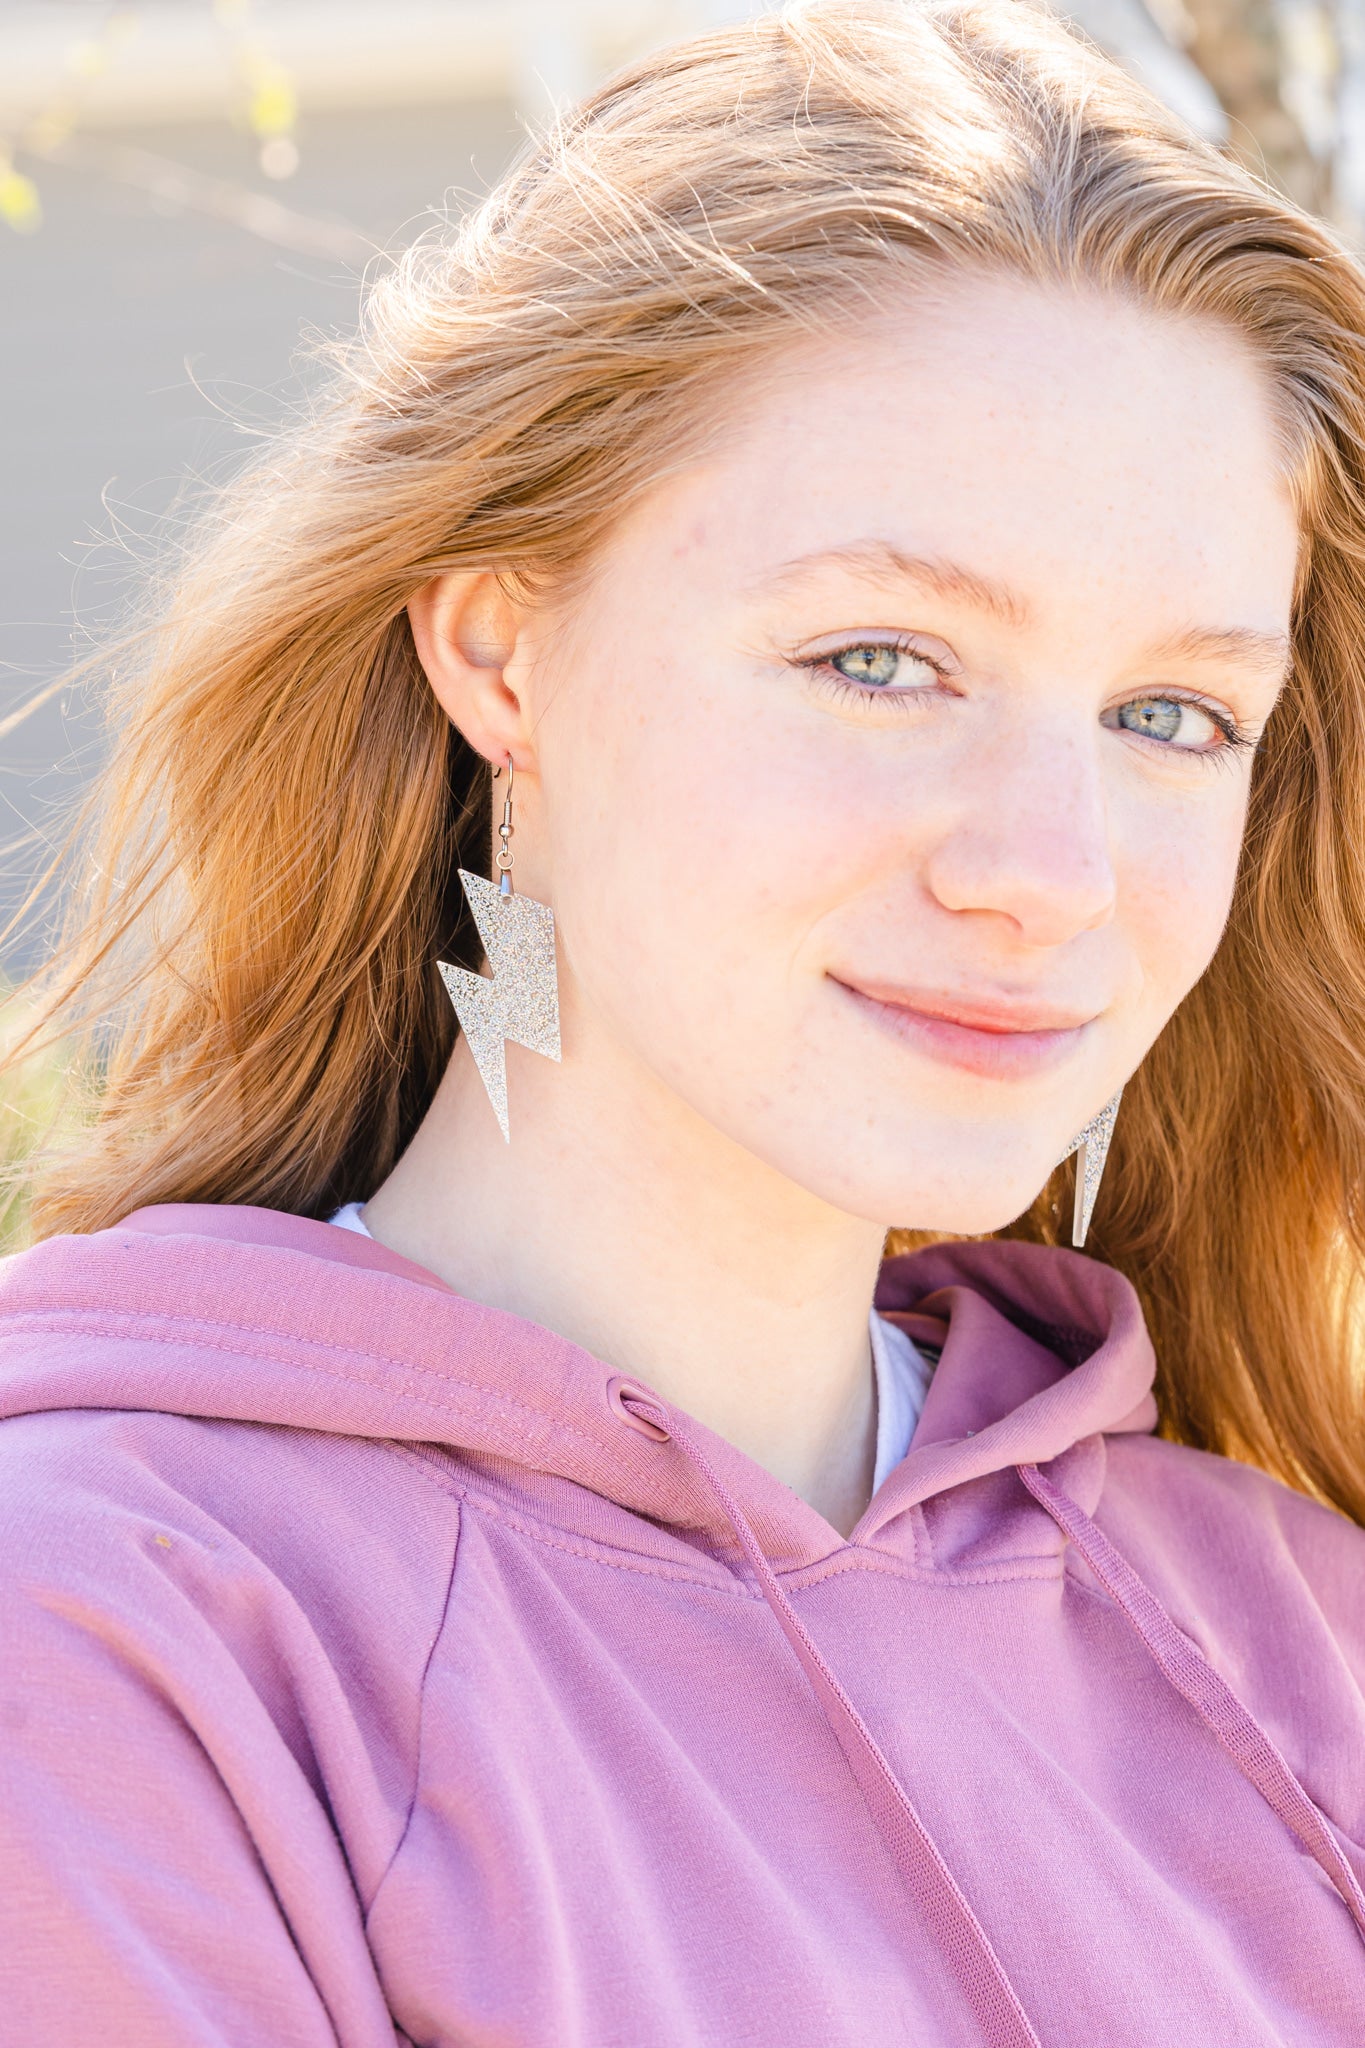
(1093, 1147)
(519, 997)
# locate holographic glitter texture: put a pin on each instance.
(519, 998)
(1093, 1146)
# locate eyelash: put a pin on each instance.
(1236, 739)
(844, 690)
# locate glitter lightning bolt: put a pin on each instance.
(519, 998)
(1093, 1146)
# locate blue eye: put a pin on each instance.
(876, 668)
(1175, 721)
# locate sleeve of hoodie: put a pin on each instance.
(169, 1875)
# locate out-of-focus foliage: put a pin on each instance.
(257, 88)
(20, 205)
(1291, 77)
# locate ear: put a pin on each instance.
(465, 628)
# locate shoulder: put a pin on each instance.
(1214, 1517)
(214, 1636)
(204, 1544)
(1270, 1584)
(181, 1405)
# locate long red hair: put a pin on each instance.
(255, 960)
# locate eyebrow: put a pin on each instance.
(883, 559)
(1244, 644)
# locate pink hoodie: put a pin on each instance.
(377, 1666)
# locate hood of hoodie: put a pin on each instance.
(528, 1762)
(250, 1315)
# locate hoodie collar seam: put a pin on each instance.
(593, 1551)
(863, 1559)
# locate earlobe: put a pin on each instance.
(465, 629)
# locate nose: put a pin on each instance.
(1032, 844)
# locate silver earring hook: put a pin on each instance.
(504, 856)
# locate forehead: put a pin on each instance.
(1079, 449)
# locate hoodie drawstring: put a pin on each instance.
(1187, 1669)
(950, 1920)
(939, 1898)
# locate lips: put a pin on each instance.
(996, 1039)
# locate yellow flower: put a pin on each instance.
(274, 106)
(19, 201)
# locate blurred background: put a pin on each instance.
(187, 187)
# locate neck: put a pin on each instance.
(620, 1219)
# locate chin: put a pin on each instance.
(977, 1220)
(975, 1207)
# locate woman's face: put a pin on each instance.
(893, 766)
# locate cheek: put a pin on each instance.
(700, 836)
(1175, 890)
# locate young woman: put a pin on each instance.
(888, 506)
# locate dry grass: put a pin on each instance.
(30, 1099)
